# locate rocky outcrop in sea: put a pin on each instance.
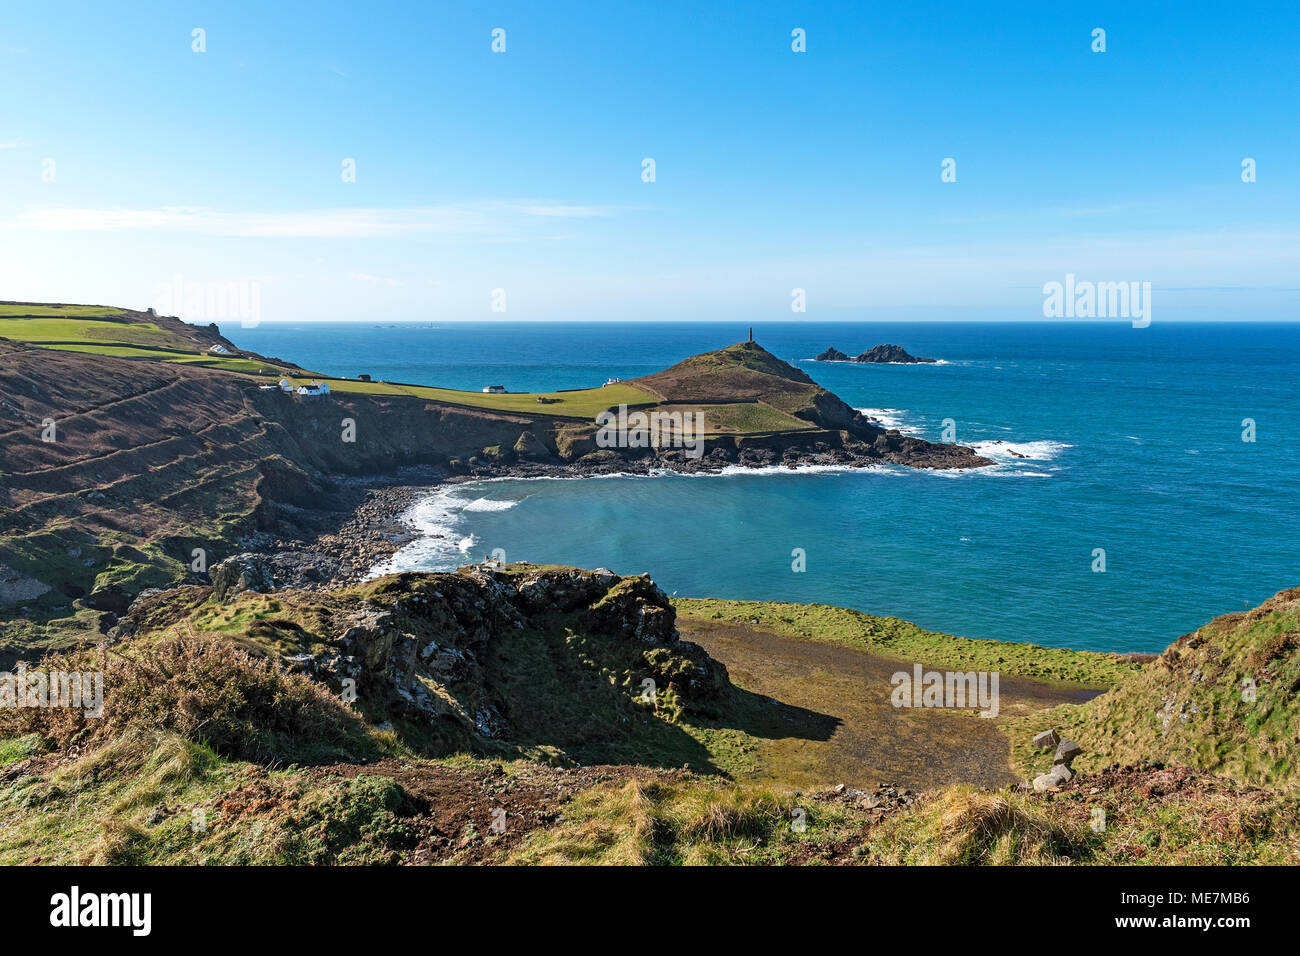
(879, 355)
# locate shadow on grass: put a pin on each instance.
(570, 693)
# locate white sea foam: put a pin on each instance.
(1011, 460)
(1011, 452)
(441, 544)
(996, 470)
(731, 471)
(489, 504)
(891, 418)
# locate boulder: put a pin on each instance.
(243, 572)
(1047, 740)
(112, 599)
(564, 590)
(1058, 776)
(832, 354)
(1066, 752)
(531, 447)
(689, 671)
(636, 607)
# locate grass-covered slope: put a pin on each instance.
(210, 703)
(1152, 817)
(1225, 699)
(745, 372)
(127, 334)
(497, 694)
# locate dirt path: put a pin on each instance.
(452, 808)
(872, 741)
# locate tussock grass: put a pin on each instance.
(964, 826)
(1200, 826)
(978, 827)
(640, 822)
(147, 799)
(210, 691)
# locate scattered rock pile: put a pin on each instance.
(878, 802)
(1066, 751)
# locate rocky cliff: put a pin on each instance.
(484, 658)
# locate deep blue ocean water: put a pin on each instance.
(1133, 440)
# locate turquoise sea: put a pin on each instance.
(1131, 442)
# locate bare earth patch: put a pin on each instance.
(872, 741)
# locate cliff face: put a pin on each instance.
(115, 471)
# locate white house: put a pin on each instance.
(219, 349)
(314, 390)
(496, 389)
(286, 385)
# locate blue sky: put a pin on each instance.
(775, 170)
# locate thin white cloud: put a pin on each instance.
(566, 211)
(12, 144)
(486, 218)
(366, 277)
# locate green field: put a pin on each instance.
(74, 310)
(585, 403)
(66, 331)
(61, 328)
(743, 418)
(225, 362)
